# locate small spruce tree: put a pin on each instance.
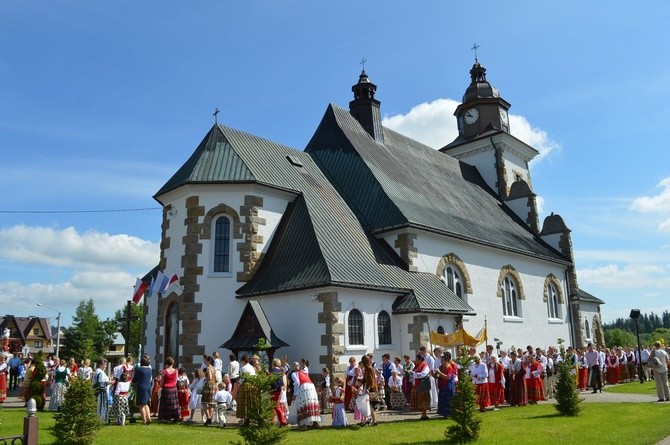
(464, 405)
(261, 429)
(567, 398)
(77, 423)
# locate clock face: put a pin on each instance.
(471, 116)
(503, 116)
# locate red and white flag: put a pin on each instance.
(140, 288)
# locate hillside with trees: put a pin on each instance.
(652, 328)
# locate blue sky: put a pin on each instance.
(101, 103)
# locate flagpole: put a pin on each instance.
(429, 341)
(486, 333)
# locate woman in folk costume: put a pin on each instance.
(246, 395)
(183, 393)
(420, 398)
(582, 371)
(480, 377)
(397, 396)
(534, 386)
(305, 399)
(496, 383)
(517, 387)
(156, 393)
(60, 382)
(101, 387)
(612, 367)
(407, 383)
(367, 391)
(169, 407)
(337, 401)
(446, 375)
(349, 385)
(3, 378)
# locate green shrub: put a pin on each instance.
(77, 423)
(464, 405)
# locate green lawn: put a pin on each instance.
(648, 388)
(638, 423)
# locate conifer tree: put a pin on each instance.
(77, 423)
(567, 397)
(464, 405)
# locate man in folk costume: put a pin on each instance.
(480, 377)
(496, 382)
(517, 389)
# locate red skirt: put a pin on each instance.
(583, 379)
(483, 395)
(517, 391)
(184, 398)
(535, 389)
(3, 386)
(496, 393)
(612, 375)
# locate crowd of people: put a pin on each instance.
(426, 382)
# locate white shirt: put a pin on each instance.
(118, 370)
(430, 361)
(122, 387)
(247, 369)
(480, 373)
(218, 364)
(234, 369)
(223, 396)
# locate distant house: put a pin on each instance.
(117, 350)
(34, 332)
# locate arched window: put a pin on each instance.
(355, 327)
(453, 280)
(384, 328)
(587, 328)
(440, 330)
(172, 332)
(553, 307)
(222, 244)
(510, 298)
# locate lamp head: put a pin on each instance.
(634, 314)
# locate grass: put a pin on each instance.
(638, 423)
(648, 388)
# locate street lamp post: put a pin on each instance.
(635, 315)
(57, 328)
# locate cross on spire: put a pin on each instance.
(362, 62)
(215, 114)
(474, 48)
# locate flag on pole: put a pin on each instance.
(152, 287)
(138, 292)
(173, 278)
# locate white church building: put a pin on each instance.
(364, 241)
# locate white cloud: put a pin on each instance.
(630, 276)
(433, 123)
(659, 203)
(69, 248)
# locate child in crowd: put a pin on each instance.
(324, 390)
(380, 403)
(223, 400)
(337, 399)
(120, 407)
